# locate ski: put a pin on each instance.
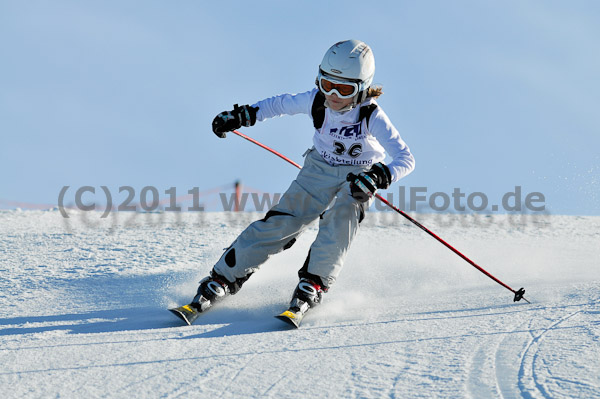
(291, 317)
(187, 313)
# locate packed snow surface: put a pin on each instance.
(83, 310)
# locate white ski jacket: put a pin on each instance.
(343, 139)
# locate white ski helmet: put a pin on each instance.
(350, 61)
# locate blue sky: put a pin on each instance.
(488, 95)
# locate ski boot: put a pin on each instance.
(307, 295)
(212, 289)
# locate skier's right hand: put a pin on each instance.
(230, 120)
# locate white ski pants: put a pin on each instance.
(320, 190)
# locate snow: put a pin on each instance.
(83, 310)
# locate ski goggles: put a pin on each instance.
(343, 89)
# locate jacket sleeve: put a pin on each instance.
(403, 162)
(285, 104)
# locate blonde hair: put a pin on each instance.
(374, 91)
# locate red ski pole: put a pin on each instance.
(250, 139)
(519, 294)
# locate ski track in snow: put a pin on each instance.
(84, 311)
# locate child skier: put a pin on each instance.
(341, 173)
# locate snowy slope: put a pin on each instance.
(83, 311)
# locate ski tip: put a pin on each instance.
(288, 314)
(177, 312)
(290, 318)
(288, 321)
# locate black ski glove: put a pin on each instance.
(364, 185)
(230, 120)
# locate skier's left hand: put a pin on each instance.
(364, 185)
